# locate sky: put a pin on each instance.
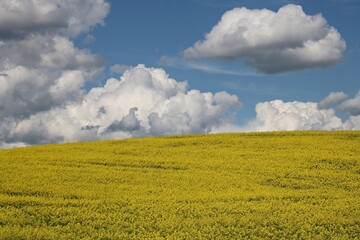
(76, 70)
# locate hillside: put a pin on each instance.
(224, 186)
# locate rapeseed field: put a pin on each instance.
(281, 185)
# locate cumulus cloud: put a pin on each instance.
(42, 77)
(272, 42)
(21, 18)
(278, 115)
(351, 106)
(42, 72)
(145, 101)
(40, 66)
(353, 123)
(47, 52)
(331, 99)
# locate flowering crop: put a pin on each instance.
(281, 185)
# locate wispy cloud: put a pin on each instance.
(237, 3)
(118, 68)
(89, 39)
(253, 88)
(204, 66)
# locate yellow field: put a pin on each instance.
(227, 186)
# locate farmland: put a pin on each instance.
(222, 186)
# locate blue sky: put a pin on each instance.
(144, 31)
(76, 70)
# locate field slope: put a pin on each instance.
(226, 186)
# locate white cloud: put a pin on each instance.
(145, 101)
(39, 64)
(21, 18)
(41, 72)
(203, 66)
(353, 123)
(47, 52)
(331, 99)
(42, 77)
(278, 115)
(12, 145)
(287, 116)
(229, 128)
(351, 106)
(271, 41)
(117, 68)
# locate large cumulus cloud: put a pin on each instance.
(40, 67)
(145, 101)
(42, 77)
(278, 115)
(271, 41)
(21, 18)
(43, 72)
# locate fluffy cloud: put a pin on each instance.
(351, 106)
(278, 115)
(42, 76)
(21, 18)
(332, 98)
(353, 123)
(46, 52)
(271, 41)
(41, 72)
(145, 101)
(39, 64)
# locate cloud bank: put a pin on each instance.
(43, 73)
(144, 101)
(284, 116)
(42, 77)
(272, 42)
(278, 115)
